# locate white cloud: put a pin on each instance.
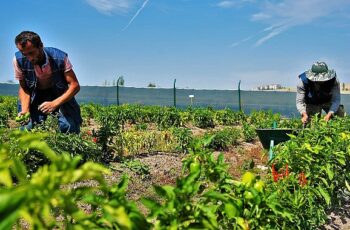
(226, 4)
(232, 3)
(289, 13)
(260, 16)
(117, 6)
(111, 6)
(275, 30)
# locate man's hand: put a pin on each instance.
(23, 118)
(47, 107)
(22, 113)
(304, 118)
(328, 116)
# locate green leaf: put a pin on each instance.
(166, 190)
(242, 223)
(123, 183)
(341, 161)
(210, 220)
(329, 171)
(10, 201)
(151, 204)
(119, 215)
(19, 170)
(325, 195)
(347, 185)
(221, 158)
(216, 196)
(328, 139)
(324, 181)
(5, 178)
(231, 210)
(273, 202)
(43, 148)
(9, 221)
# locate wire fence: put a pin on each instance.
(281, 102)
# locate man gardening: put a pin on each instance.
(318, 89)
(47, 84)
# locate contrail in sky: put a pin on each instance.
(137, 13)
(241, 41)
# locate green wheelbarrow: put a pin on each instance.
(274, 136)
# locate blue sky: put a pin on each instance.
(209, 44)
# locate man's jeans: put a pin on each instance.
(66, 123)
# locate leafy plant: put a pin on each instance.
(229, 117)
(203, 118)
(225, 138)
(183, 137)
(137, 167)
(40, 199)
(249, 133)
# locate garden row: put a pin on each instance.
(112, 132)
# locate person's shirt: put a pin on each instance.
(300, 97)
(43, 73)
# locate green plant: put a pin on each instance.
(41, 199)
(229, 117)
(224, 138)
(263, 119)
(321, 155)
(203, 118)
(168, 117)
(79, 144)
(23, 117)
(8, 110)
(137, 167)
(183, 137)
(249, 133)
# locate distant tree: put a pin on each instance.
(114, 83)
(121, 81)
(10, 82)
(343, 86)
(151, 85)
(105, 83)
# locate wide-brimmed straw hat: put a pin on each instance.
(319, 72)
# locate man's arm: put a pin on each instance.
(23, 93)
(73, 89)
(335, 101)
(300, 101)
(24, 97)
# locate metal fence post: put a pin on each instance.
(175, 93)
(239, 96)
(118, 91)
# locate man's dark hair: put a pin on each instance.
(30, 36)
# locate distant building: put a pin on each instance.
(345, 86)
(270, 87)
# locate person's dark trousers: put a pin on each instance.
(66, 123)
(312, 110)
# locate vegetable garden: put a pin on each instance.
(50, 180)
